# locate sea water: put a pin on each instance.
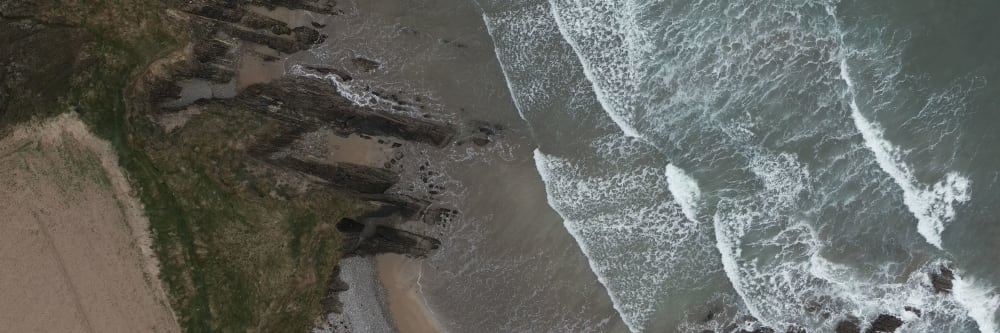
(729, 165)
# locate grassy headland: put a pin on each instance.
(240, 249)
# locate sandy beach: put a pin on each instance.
(74, 240)
(400, 277)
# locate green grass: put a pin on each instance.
(234, 257)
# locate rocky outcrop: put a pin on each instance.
(231, 18)
(345, 177)
(334, 285)
(364, 239)
(328, 7)
(942, 280)
(885, 324)
(365, 64)
(312, 101)
(849, 325)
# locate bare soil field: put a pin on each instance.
(74, 246)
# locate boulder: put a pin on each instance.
(942, 280)
(885, 324)
(849, 325)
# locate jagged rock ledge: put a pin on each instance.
(221, 30)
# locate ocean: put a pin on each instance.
(691, 166)
(731, 165)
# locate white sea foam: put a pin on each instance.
(606, 30)
(359, 96)
(980, 301)
(639, 243)
(934, 205)
(713, 79)
(685, 190)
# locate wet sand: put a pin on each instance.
(74, 242)
(506, 261)
(400, 278)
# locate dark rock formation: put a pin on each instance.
(304, 100)
(257, 21)
(344, 76)
(366, 64)
(441, 216)
(327, 7)
(307, 37)
(406, 206)
(885, 323)
(365, 240)
(345, 177)
(479, 133)
(235, 21)
(849, 325)
(942, 280)
(334, 285)
(914, 310)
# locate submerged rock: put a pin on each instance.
(885, 323)
(942, 280)
(366, 64)
(914, 310)
(849, 325)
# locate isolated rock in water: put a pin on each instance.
(366, 64)
(850, 325)
(914, 310)
(942, 280)
(307, 36)
(885, 323)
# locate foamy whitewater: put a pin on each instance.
(760, 163)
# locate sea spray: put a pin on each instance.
(980, 301)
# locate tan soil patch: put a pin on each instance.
(400, 278)
(357, 150)
(75, 251)
(253, 69)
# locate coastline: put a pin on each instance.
(309, 157)
(400, 278)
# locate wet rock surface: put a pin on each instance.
(311, 101)
(885, 323)
(303, 104)
(942, 280)
(849, 325)
(365, 239)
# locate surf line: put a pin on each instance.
(932, 205)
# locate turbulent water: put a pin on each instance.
(780, 163)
